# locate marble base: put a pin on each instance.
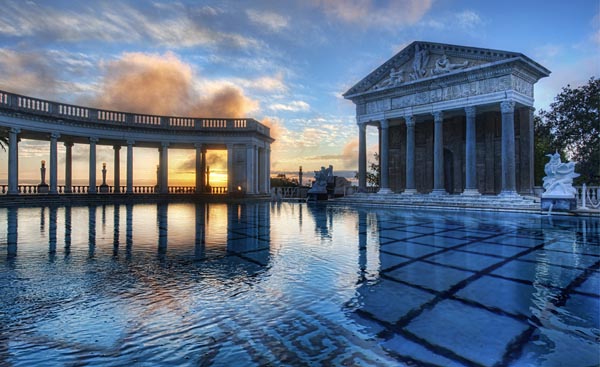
(43, 189)
(384, 191)
(410, 192)
(103, 188)
(559, 203)
(471, 192)
(317, 196)
(438, 192)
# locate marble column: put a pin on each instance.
(117, 169)
(263, 173)
(164, 168)
(199, 167)
(384, 185)
(470, 152)
(92, 166)
(230, 174)
(268, 169)
(68, 167)
(53, 163)
(438, 154)
(362, 157)
(250, 168)
(508, 148)
(410, 156)
(130, 166)
(13, 161)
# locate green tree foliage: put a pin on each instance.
(572, 126)
(282, 181)
(373, 172)
(3, 139)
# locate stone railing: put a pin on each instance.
(84, 189)
(588, 197)
(63, 111)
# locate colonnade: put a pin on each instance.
(508, 175)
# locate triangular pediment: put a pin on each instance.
(422, 60)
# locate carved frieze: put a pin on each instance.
(378, 106)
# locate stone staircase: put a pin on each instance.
(481, 202)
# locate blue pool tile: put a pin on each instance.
(465, 260)
(422, 229)
(439, 241)
(389, 301)
(387, 261)
(538, 272)
(575, 247)
(393, 234)
(473, 333)
(561, 258)
(582, 313)
(435, 277)
(416, 352)
(591, 285)
(469, 234)
(514, 240)
(492, 249)
(409, 249)
(507, 295)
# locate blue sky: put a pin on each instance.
(286, 62)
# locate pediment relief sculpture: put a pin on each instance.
(443, 65)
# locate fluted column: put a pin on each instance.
(230, 173)
(199, 167)
(384, 185)
(438, 154)
(470, 155)
(508, 148)
(250, 168)
(13, 161)
(117, 169)
(410, 156)
(164, 168)
(53, 163)
(130, 166)
(268, 169)
(92, 169)
(362, 157)
(68, 167)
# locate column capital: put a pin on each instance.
(470, 111)
(68, 144)
(15, 130)
(438, 116)
(198, 145)
(410, 120)
(164, 144)
(361, 126)
(130, 142)
(94, 140)
(507, 106)
(384, 124)
(116, 147)
(54, 135)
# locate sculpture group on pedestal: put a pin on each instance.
(559, 192)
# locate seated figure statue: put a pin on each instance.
(443, 65)
(320, 184)
(559, 177)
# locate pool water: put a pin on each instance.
(294, 284)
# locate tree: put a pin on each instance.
(373, 173)
(572, 126)
(3, 139)
(282, 181)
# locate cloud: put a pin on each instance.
(271, 21)
(294, 106)
(24, 72)
(165, 85)
(374, 13)
(468, 19)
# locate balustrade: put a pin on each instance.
(588, 197)
(84, 189)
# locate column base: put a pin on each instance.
(509, 194)
(471, 192)
(438, 192)
(409, 192)
(384, 191)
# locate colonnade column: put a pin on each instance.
(13, 161)
(268, 169)
(164, 168)
(230, 174)
(250, 169)
(265, 169)
(410, 156)
(362, 157)
(200, 160)
(117, 172)
(92, 169)
(508, 148)
(438, 154)
(53, 163)
(470, 155)
(68, 167)
(384, 186)
(130, 166)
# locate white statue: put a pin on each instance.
(420, 61)
(321, 177)
(443, 65)
(394, 79)
(559, 178)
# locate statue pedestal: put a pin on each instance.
(558, 202)
(43, 189)
(103, 188)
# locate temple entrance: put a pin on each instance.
(448, 171)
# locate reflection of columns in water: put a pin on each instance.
(162, 214)
(42, 219)
(300, 215)
(362, 244)
(11, 235)
(52, 230)
(67, 229)
(103, 217)
(116, 229)
(128, 228)
(92, 229)
(199, 248)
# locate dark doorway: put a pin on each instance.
(449, 171)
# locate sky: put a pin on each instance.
(284, 63)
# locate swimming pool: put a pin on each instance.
(296, 284)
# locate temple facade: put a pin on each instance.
(451, 120)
